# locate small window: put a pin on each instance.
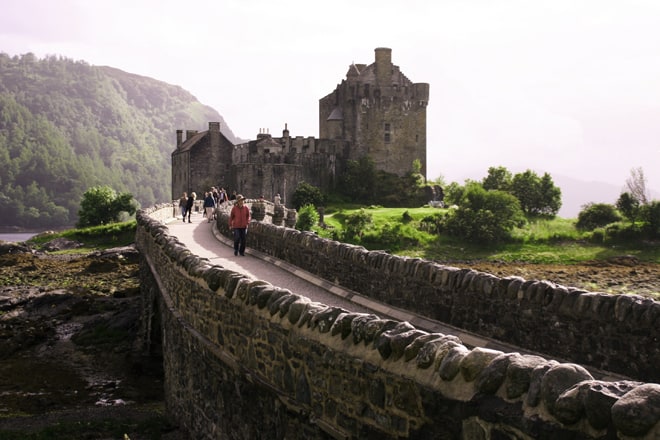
(387, 138)
(387, 127)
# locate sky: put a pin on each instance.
(567, 87)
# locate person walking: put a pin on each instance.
(189, 206)
(209, 206)
(239, 219)
(182, 205)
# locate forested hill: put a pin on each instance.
(66, 126)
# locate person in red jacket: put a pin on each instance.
(239, 219)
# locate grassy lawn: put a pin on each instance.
(94, 237)
(404, 231)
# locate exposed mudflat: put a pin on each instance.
(69, 358)
(622, 275)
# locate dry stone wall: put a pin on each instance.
(245, 359)
(616, 333)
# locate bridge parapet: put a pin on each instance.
(249, 359)
(615, 333)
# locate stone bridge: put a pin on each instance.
(246, 358)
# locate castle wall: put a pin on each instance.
(255, 172)
(244, 359)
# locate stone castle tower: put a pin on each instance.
(380, 113)
(376, 111)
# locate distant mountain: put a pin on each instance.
(576, 193)
(66, 126)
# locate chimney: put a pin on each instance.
(383, 66)
(179, 138)
(214, 134)
(190, 133)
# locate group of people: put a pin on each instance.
(239, 217)
(186, 204)
(212, 199)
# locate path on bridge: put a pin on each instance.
(203, 239)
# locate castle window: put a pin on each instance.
(387, 138)
(387, 127)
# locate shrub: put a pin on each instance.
(308, 217)
(306, 194)
(595, 215)
(651, 216)
(484, 216)
(357, 223)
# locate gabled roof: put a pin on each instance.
(336, 115)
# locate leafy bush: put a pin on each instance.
(357, 223)
(102, 205)
(306, 194)
(308, 217)
(628, 205)
(595, 215)
(484, 216)
(651, 216)
(454, 194)
(431, 223)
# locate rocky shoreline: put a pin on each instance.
(69, 361)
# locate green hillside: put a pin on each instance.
(66, 126)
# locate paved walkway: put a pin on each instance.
(203, 239)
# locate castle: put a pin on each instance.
(376, 112)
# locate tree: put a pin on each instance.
(629, 206)
(497, 178)
(454, 193)
(636, 185)
(102, 205)
(537, 196)
(550, 201)
(306, 194)
(358, 180)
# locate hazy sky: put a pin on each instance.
(567, 87)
